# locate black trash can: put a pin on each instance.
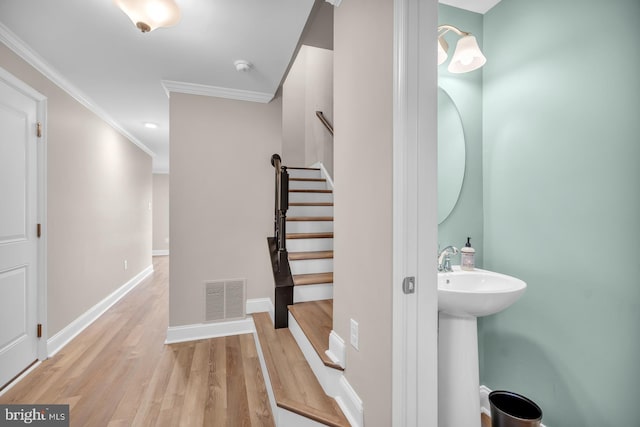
(513, 410)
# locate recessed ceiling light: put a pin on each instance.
(151, 125)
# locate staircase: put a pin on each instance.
(302, 377)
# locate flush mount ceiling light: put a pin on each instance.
(148, 15)
(467, 56)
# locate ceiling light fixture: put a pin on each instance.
(467, 56)
(148, 15)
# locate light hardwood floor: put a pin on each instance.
(119, 372)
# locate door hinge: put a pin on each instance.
(39, 330)
(39, 230)
(39, 129)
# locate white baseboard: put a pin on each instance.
(332, 380)
(485, 406)
(201, 331)
(20, 377)
(62, 338)
(337, 350)
(160, 252)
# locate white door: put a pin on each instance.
(18, 239)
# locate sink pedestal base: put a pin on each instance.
(458, 375)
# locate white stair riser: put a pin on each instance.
(304, 173)
(309, 266)
(310, 197)
(307, 185)
(309, 226)
(309, 245)
(312, 292)
(310, 211)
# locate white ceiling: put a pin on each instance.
(95, 48)
(478, 6)
(106, 62)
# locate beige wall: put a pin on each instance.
(363, 110)
(160, 212)
(221, 204)
(99, 190)
(308, 88)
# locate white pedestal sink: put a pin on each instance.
(463, 296)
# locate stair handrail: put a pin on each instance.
(281, 207)
(324, 121)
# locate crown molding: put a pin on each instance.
(25, 52)
(215, 91)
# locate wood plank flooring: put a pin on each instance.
(119, 372)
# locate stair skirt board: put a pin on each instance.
(309, 245)
(324, 174)
(312, 292)
(309, 266)
(332, 380)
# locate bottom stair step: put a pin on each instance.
(316, 321)
(294, 384)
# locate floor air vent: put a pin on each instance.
(224, 300)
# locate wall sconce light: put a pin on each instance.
(467, 56)
(148, 15)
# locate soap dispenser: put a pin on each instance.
(467, 256)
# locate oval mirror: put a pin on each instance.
(451, 155)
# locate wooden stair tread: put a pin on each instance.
(303, 169)
(308, 179)
(298, 256)
(316, 321)
(310, 204)
(310, 218)
(295, 387)
(310, 235)
(312, 279)
(308, 190)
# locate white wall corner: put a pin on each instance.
(160, 252)
(69, 332)
(337, 350)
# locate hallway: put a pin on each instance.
(119, 372)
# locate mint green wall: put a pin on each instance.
(561, 163)
(466, 91)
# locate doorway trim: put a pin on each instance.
(415, 316)
(41, 164)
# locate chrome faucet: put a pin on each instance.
(444, 258)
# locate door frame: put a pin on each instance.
(41, 188)
(415, 231)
